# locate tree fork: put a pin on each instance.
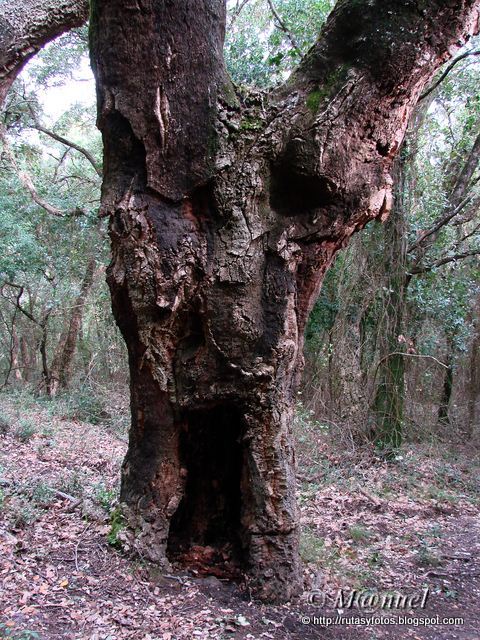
(225, 211)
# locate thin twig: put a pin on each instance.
(408, 355)
(236, 12)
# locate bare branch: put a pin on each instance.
(18, 298)
(468, 235)
(68, 143)
(445, 260)
(441, 222)
(236, 12)
(27, 182)
(25, 27)
(447, 71)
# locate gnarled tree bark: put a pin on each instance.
(225, 211)
(27, 26)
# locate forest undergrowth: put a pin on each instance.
(369, 525)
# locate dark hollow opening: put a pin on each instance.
(295, 193)
(205, 529)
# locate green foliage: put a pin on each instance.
(312, 547)
(313, 100)
(259, 53)
(25, 430)
(117, 524)
(74, 484)
(358, 533)
(9, 631)
(44, 257)
(85, 405)
(42, 495)
(105, 496)
(4, 427)
(61, 58)
(22, 512)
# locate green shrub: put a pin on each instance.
(21, 512)
(4, 427)
(73, 485)
(7, 631)
(359, 533)
(87, 406)
(117, 523)
(25, 430)
(42, 495)
(105, 496)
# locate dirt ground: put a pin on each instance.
(409, 527)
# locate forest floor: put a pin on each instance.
(410, 526)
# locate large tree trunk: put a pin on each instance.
(25, 27)
(225, 211)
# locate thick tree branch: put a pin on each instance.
(351, 97)
(342, 116)
(25, 27)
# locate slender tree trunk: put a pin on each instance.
(225, 211)
(392, 334)
(17, 371)
(28, 355)
(61, 369)
(46, 374)
(474, 377)
(389, 396)
(347, 371)
(447, 388)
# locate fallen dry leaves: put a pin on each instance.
(372, 524)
